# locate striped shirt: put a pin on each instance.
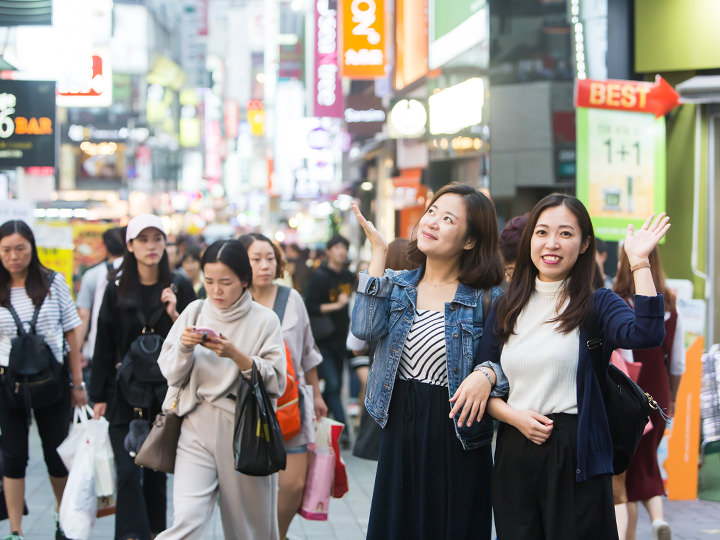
(423, 358)
(57, 316)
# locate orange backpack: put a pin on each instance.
(288, 405)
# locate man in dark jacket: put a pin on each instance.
(326, 296)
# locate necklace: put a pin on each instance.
(436, 285)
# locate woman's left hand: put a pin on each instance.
(168, 297)
(638, 244)
(78, 396)
(471, 396)
(320, 407)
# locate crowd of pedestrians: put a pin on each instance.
(459, 325)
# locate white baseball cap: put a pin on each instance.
(144, 221)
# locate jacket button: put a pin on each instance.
(455, 335)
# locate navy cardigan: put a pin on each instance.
(621, 327)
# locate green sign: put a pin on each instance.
(454, 26)
(620, 168)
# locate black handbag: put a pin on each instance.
(322, 327)
(257, 440)
(627, 406)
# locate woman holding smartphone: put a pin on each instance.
(214, 343)
(146, 293)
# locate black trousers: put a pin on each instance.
(141, 503)
(535, 495)
(53, 423)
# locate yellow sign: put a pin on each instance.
(58, 259)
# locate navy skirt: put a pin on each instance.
(426, 486)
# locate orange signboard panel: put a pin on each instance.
(363, 39)
(411, 41)
(681, 464)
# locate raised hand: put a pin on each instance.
(638, 244)
(375, 238)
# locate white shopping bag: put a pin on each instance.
(67, 448)
(78, 507)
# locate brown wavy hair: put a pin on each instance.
(624, 284)
(480, 267)
(578, 287)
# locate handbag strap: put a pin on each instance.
(20, 328)
(281, 300)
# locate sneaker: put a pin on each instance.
(59, 534)
(14, 536)
(661, 530)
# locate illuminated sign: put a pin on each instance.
(454, 27)
(364, 115)
(88, 87)
(27, 116)
(620, 147)
(327, 97)
(407, 119)
(363, 42)
(411, 41)
(457, 107)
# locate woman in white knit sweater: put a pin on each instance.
(212, 343)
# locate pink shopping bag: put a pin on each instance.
(318, 484)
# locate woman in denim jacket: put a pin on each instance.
(554, 454)
(433, 475)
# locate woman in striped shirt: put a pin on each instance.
(24, 284)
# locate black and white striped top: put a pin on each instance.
(57, 316)
(423, 356)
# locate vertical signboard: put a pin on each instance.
(27, 118)
(411, 41)
(327, 88)
(454, 27)
(363, 39)
(621, 152)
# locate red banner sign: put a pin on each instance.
(657, 98)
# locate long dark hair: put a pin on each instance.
(578, 287)
(480, 267)
(625, 284)
(231, 253)
(36, 282)
(129, 289)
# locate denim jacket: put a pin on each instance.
(385, 310)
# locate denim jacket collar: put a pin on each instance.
(465, 295)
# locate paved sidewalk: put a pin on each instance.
(690, 520)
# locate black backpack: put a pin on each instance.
(138, 375)
(34, 377)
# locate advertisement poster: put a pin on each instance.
(55, 248)
(60, 260)
(621, 168)
(89, 247)
(27, 124)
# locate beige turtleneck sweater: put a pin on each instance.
(540, 362)
(254, 329)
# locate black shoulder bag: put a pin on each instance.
(627, 406)
(34, 377)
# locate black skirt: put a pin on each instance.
(427, 486)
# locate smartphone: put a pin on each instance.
(203, 331)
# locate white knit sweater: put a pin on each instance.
(539, 361)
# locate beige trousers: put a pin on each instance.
(204, 469)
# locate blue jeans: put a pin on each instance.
(331, 369)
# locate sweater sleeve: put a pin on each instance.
(642, 328)
(176, 360)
